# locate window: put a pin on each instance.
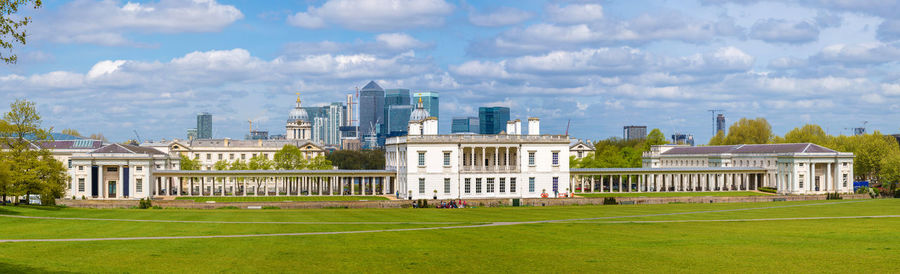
(502, 185)
(446, 158)
(555, 158)
(243, 156)
(477, 185)
(801, 180)
(580, 154)
(138, 185)
(555, 184)
(845, 180)
(446, 185)
(70, 163)
(254, 155)
(230, 156)
(801, 164)
(490, 185)
(421, 158)
(421, 185)
(80, 168)
(266, 156)
(220, 156)
(80, 184)
(468, 185)
(138, 168)
(112, 169)
(531, 158)
(512, 185)
(531, 184)
(209, 156)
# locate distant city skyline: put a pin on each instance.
(150, 66)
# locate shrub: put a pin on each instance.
(271, 207)
(145, 203)
(229, 207)
(767, 189)
(82, 197)
(156, 207)
(610, 201)
(833, 196)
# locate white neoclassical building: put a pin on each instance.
(298, 126)
(803, 168)
(467, 166)
(117, 171)
(210, 151)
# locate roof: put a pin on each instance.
(248, 143)
(127, 149)
(751, 149)
(71, 144)
(575, 142)
(372, 86)
(55, 136)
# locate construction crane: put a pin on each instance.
(859, 130)
(251, 126)
(714, 112)
(138, 136)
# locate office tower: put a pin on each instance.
(431, 101)
(334, 114)
(396, 112)
(192, 133)
(492, 120)
(204, 125)
(465, 125)
(634, 132)
(371, 110)
(720, 123)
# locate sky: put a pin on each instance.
(592, 67)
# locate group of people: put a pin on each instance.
(453, 204)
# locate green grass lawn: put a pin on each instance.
(830, 245)
(676, 194)
(284, 198)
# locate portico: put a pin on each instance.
(274, 182)
(620, 180)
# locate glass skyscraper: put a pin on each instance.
(204, 125)
(396, 112)
(492, 120)
(371, 110)
(430, 100)
(465, 125)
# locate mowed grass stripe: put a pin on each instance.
(676, 194)
(225, 199)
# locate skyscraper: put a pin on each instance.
(431, 101)
(634, 132)
(335, 119)
(720, 123)
(204, 125)
(492, 120)
(465, 125)
(396, 112)
(371, 110)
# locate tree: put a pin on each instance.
(718, 139)
(290, 158)
(746, 131)
(890, 173)
(70, 131)
(221, 165)
(361, 159)
(654, 138)
(28, 170)
(189, 164)
(260, 162)
(870, 150)
(13, 27)
(319, 163)
(238, 165)
(98, 136)
(809, 133)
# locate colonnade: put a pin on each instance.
(273, 183)
(645, 180)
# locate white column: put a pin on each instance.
(828, 177)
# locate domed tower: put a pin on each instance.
(419, 114)
(298, 126)
(420, 122)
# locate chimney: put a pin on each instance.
(534, 126)
(518, 126)
(511, 128)
(430, 126)
(226, 141)
(415, 128)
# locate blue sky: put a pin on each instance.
(117, 66)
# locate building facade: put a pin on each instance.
(720, 123)
(580, 149)
(371, 111)
(634, 132)
(465, 125)
(204, 125)
(429, 165)
(298, 125)
(790, 168)
(492, 120)
(210, 151)
(117, 171)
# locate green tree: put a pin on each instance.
(654, 138)
(12, 28)
(260, 162)
(189, 164)
(290, 158)
(747, 131)
(238, 165)
(319, 163)
(98, 136)
(890, 173)
(718, 139)
(28, 170)
(70, 131)
(809, 133)
(361, 159)
(221, 165)
(870, 150)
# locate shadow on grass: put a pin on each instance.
(39, 207)
(4, 210)
(15, 268)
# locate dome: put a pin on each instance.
(298, 113)
(419, 113)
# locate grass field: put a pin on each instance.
(284, 198)
(633, 238)
(676, 194)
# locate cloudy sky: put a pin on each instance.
(117, 66)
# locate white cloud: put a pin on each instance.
(104, 67)
(385, 44)
(107, 23)
(856, 54)
(399, 41)
(501, 17)
(575, 13)
(783, 31)
(374, 15)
